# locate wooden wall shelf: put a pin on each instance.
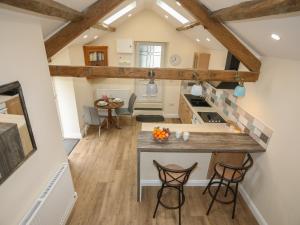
(95, 55)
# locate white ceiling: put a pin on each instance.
(255, 32)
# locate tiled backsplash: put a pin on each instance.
(226, 102)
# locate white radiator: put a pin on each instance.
(55, 203)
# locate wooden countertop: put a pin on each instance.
(204, 142)
(203, 127)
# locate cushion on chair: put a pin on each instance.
(170, 175)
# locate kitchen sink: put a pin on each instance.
(197, 101)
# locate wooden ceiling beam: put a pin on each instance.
(256, 8)
(104, 27)
(188, 26)
(46, 7)
(94, 72)
(91, 16)
(222, 34)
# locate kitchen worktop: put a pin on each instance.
(204, 127)
(201, 142)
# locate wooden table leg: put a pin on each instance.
(109, 117)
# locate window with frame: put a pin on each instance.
(150, 54)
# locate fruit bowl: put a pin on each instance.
(161, 135)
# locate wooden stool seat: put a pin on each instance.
(229, 173)
(173, 178)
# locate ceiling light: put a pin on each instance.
(197, 39)
(178, 3)
(172, 12)
(129, 15)
(120, 13)
(207, 39)
(275, 37)
(96, 36)
(166, 16)
(151, 87)
(85, 36)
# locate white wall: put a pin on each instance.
(82, 87)
(67, 108)
(72, 93)
(148, 26)
(23, 58)
(65, 98)
(273, 183)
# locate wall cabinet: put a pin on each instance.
(95, 55)
(125, 46)
(185, 113)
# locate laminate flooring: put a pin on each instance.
(104, 174)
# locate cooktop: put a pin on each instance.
(211, 117)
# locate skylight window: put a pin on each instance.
(120, 13)
(172, 12)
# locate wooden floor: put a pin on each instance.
(104, 173)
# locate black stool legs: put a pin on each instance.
(214, 196)
(159, 194)
(235, 198)
(181, 200)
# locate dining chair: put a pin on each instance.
(91, 117)
(127, 111)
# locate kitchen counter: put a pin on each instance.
(208, 143)
(205, 139)
(200, 142)
(204, 127)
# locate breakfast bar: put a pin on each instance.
(203, 139)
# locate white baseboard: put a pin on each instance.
(200, 183)
(258, 216)
(73, 135)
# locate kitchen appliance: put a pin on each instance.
(232, 63)
(211, 117)
(197, 101)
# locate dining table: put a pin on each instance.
(110, 106)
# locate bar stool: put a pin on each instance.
(172, 176)
(230, 174)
